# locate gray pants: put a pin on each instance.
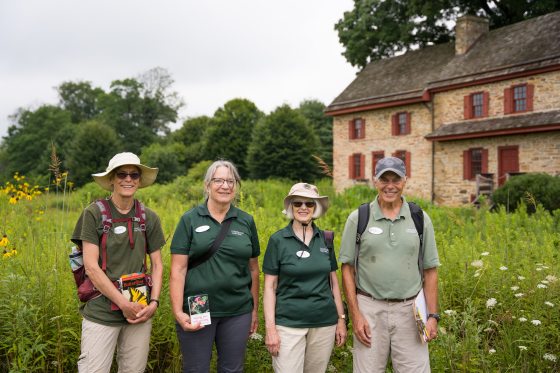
(229, 333)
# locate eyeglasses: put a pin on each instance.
(387, 182)
(298, 204)
(133, 175)
(219, 182)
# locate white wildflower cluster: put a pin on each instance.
(542, 286)
(331, 368)
(477, 264)
(514, 288)
(551, 278)
(503, 268)
(522, 348)
(450, 312)
(520, 278)
(544, 282)
(522, 319)
(550, 357)
(491, 351)
(490, 303)
(550, 304)
(486, 253)
(257, 336)
(536, 322)
(519, 295)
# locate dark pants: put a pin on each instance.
(229, 333)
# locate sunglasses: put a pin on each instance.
(298, 204)
(133, 175)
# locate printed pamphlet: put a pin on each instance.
(420, 315)
(133, 286)
(199, 309)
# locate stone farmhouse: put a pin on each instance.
(463, 116)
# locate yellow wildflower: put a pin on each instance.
(4, 241)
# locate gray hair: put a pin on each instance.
(212, 170)
(316, 213)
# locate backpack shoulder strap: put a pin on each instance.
(417, 215)
(363, 219)
(140, 215)
(329, 239)
(107, 221)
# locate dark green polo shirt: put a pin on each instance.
(121, 259)
(303, 296)
(225, 277)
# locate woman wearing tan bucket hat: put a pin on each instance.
(115, 236)
(303, 312)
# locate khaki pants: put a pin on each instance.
(99, 342)
(304, 349)
(394, 333)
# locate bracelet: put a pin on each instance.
(155, 300)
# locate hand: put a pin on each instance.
(361, 329)
(131, 310)
(145, 314)
(340, 334)
(272, 341)
(184, 321)
(254, 322)
(431, 328)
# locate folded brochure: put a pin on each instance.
(199, 309)
(421, 316)
(133, 287)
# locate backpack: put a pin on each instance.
(417, 215)
(86, 289)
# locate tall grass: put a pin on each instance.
(511, 258)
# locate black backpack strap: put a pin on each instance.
(363, 219)
(418, 219)
(329, 239)
(215, 245)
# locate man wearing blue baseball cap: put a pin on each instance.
(383, 271)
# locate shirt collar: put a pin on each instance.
(288, 230)
(378, 214)
(203, 211)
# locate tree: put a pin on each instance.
(89, 152)
(28, 143)
(375, 29)
(192, 135)
(282, 146)
(314, 112)
(170, 159)
(229, 135)
(80, 99)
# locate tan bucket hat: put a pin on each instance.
(123, 159)
(308, 191)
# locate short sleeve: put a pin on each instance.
(180, 244)
(271, 265)
(255, 239)
(431, 257)
(348, 241)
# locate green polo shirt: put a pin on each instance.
(121, 259)
(388, 263)
(303, 295)
(225, 277)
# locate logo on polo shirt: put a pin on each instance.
(324, 250)
(237, 233)
(411, 230)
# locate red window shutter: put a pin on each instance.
(484, 161)
(530, 93)
(351, 167)
(466, 165)
(394, 125)
(407, 165)
(485, 103)
(467, 107)
(363, 129)
(408, 115)
(508, 100)
(351, 129)
(362, 166)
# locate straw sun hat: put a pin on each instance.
(307, 191)
(124, 159)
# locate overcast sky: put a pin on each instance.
(270, 52)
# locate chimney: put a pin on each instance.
(467, 31)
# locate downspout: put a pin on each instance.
(430, 106)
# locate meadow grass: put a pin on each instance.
(499, 289)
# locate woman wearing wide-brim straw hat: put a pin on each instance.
(303, 308)
(110, 320)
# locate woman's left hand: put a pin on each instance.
(144, 315)
(340, 335)
(254, 322)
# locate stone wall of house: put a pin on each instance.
(538, 152)
(449, 105)
(378, 138)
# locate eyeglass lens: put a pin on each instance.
(133, 175)
(220, 182)
(309, 204)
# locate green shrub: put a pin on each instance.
(533, 189)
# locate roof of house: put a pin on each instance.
(515, 49)
(508, 125)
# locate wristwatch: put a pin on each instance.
(435, 316)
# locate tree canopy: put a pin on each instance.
(375, 29)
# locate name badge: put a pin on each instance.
(375, 230)
(303, 254)
(202, 228)
(119, 230)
